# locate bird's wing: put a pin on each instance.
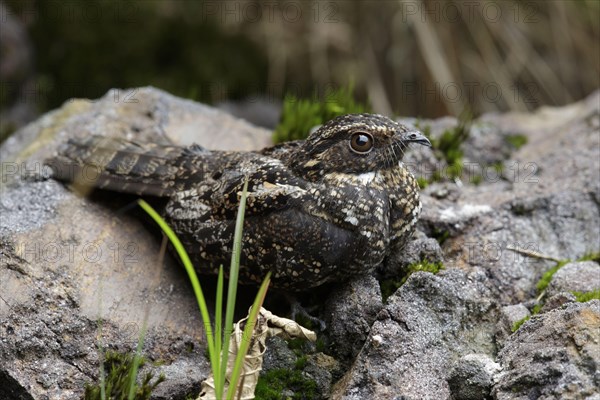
(271, 187)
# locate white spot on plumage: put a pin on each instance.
(351, 219)
(366, 177)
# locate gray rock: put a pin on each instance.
(472, 377)
(419, 249)
(581, 276)
(553, 356)
(428, 323)
(321, 368)
(278, 355)
(68, 262)
(509, 315)
(485, 146)
(349, 313)
(558, 300)
(181, 376)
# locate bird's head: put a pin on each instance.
(355, 144)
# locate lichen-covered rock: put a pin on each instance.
(583, 276)
(472, 377)
(557, 300)
(349, 313)
(553, 356)
(509, 316)
(418, 249)
(427, 324)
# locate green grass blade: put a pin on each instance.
(233, 279)
(247, 336)
(185, 259)
(136, 364)
(218, 378)
(101, 356)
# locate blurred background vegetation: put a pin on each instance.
(410, 58)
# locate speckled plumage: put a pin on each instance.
(317, 211)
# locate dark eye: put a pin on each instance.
(361, 142)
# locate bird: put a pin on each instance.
(320, 210)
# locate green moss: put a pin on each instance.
(299, 116)
(423, 183)
(441, 235)
(582, 297)
(118, 367)
(271, 385)
(449, 143)
(590, 257)
(520, 210)
(520, 322)
(305, 321)
(534, 311)
(448, 148)
(516, 141)
(389, 286)
(320, 346)
(425, 265)
(476, 180)
(301, 362)
(547, 277)
(296, 344)
(498, 167)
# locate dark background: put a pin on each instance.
(411, 58)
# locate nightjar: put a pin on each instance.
(318, 210)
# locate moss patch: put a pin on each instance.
(582, 297)
(590, 257)
(547, 277)
(441, 235)
(389, 286)
(118, 368)
(271, 386)
(516, 141)
(519, 323)
(299, 116)
(448, 145)
(423, 183)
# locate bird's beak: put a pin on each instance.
(416, 137)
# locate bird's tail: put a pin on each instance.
(129, 167)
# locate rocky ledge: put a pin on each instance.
(510, 310)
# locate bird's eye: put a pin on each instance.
(361, 142)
